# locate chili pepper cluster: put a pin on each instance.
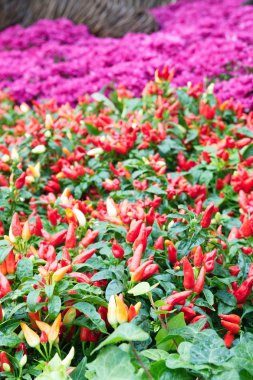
(119, 194)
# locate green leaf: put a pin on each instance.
(185, 246)
(188, 332)
(243, 356)
(155, 354)
(111, 364)
(126, 332)
(54, 306)
(24, 269)
(103, 99)
(156, 190)
(245, 131)
(91, 312)
(209, 296)
(5, 248)
(114, 287)
(93, 131)
(209, 348)
(32, 300)
(141, 288)
(79, 371)
(9, 340)
(9, 326)
(175, 322)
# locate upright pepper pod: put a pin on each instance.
(242, 293)
(200, 282)
(134, 230)
(141, 238)
(172, 251)
(136, 259)
(188, 275)
(70, 237)
(207, 216)
(198, 257)
(117, 251)
(228, 339)
(89, 238)
(159, 243)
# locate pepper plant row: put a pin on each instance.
(126, 236)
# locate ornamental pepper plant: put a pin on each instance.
(126, 230)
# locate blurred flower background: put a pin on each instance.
(207, 41)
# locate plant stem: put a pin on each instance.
(141, 362)
(154, 307)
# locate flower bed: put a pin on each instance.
(126, 229)
(209, 39)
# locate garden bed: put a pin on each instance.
(127, 228)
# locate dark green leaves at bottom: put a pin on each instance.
(112, 364)
(127, 332)
(79, 371)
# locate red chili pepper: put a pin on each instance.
(247, 250)
(197, 318)
(150, 270)
(136, 259)
(232, 327)
(246, 228)
(131, 313)
(89, 238)
(84, 256)
(4, 286)
(172, 251)
(38, 226)
(3, 269)
(80, 277)
(10, 263)
(137, 275)
(70, 237)
(209, 265)
(199, 207)
(58, 238)
(43, 337)
(150, 217)
(188, 275)
(52, 215)
(102, 311)
(117, 251)
(200, 282)
(234, 270)
(189, 313)
(198, 257)
(22, 347)
(233, 318)
(242, 293)
(134, 230)
(15, 225)
(228, 339)
(85, 334)
(210, 256)
(175, 299)
(4, 360)
(141, 238)
(207, 216)
(159, 243)
(20, 181)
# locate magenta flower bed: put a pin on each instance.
(204, 40)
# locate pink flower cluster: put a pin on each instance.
(207, 40)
